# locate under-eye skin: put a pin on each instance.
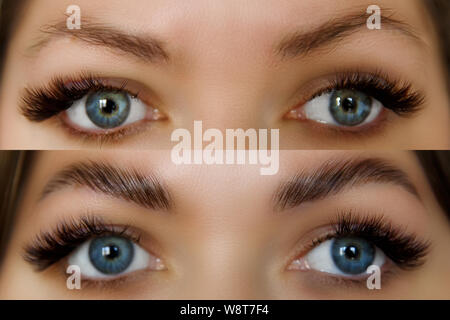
(352, 243)
(89, 105)
(102, 252)
(355, 101)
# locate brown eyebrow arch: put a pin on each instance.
(334, 176)
(301, 43)
(127, 184)
(144, 47)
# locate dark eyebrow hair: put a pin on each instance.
(144, 47)
(334, 176)
(304, 42)
(127, 184)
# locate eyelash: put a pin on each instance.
(50, 247)
(394, 95)
(43, 103)
(40, 104)
(403, 249)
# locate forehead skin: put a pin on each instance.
(224, 71)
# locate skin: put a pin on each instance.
(224, 71)
(222, 239)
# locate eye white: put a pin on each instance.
(320, 259)
(318, 110)
(80, 257)
(78, 116)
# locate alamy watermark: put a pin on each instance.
(73, 282)
(374, 21)
(73, 21)
(235, 146)
(374, 280)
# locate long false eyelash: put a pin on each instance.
(395, 96)
(404, 249)
(50, 247)
(40, 104)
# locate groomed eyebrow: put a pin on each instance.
(126, 184)
(335, 176)
(301, 43)
(144, 47)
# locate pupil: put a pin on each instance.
(110, 252)
(107, 106)
(351, 252)
(349, 105)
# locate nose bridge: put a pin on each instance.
(228, 262)
(225, 271)
(238, 102)
(218, 262)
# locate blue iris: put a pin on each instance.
(349, 107)
(111, 255)
(352, 255)
(108, 109)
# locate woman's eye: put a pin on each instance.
(343, 108)
(108, 110)
(111, 256)
(350, 256)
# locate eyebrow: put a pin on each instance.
(301, 43)
(144, 47)
(127, 184)
(335, 176)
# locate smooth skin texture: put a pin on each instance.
(224, 70)
(222, 237)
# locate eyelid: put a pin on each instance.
(43, 102)
(54, 99)
(394, 94)
(50, 247)
(365, 81)
(410, 251)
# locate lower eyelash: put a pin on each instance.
(50, 247)
(40, 104)
(357, 134)
(347, 282)
(116, 283)
(106, 137)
